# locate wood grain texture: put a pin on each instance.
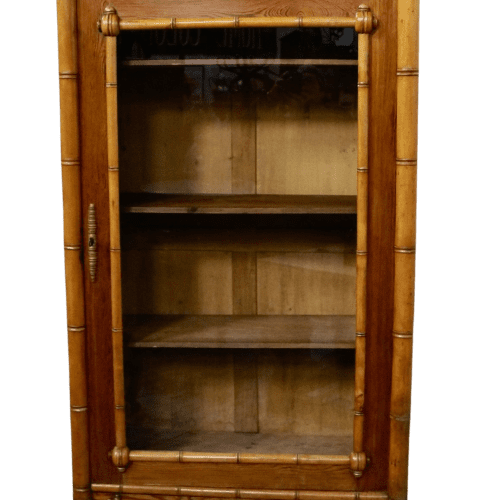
(174, 143)
(93, 140)
(254, 448)
(189, 390)
(380, 274)
(404, 244)
(217, 8)
(244, 269)
(241, 331)
(193, 390)
(244, 204)
(177, 282)
(380, 271)
(362, 236)
(172, 493)
(306, 147)
(114, 238)
(322, 382)
(232, 22)
(242, 476)
(246, 399)
(293, 283)
(243, 137)
(71, 177)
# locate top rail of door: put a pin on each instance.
(110, 24)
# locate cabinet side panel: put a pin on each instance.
(91, 52)
(221, 8)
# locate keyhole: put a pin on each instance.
(91, 242)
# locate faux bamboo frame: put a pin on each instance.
(110, 25)
(404, 244)
(215, 493)
(73, 249)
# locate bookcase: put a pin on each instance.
(239, 240)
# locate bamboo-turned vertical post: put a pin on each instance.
(364, 26)
(70, 161)
(404, 248)
(110, 28)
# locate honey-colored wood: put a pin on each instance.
(379, 270)
(244, 269)
(322, 283)
(261, 204)
(271, 332)
(177, 282)
(177, 400)
(246, 399)
(120, 451)
(71, 161)
(172, 145)
(172, 493)
(241, 476)
(363, 27)
(229, 22)
(320, 381)
(94, 173)
(216, 8)
(243, 137)
(220, 446)
(236, 458)
(325, 162)
(404, 246)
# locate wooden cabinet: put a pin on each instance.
(239, 190)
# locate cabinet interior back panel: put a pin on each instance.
(212, 282)
(176, 137)
(171, 146)
(177, 282)
(294, 283)
(306, 147)
(197, 390)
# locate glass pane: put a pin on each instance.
(238, 198)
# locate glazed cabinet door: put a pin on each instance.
(238, 191)
(238, 183)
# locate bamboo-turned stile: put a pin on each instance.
(70, 161)
(120, 452)
(404, 248)
(364, 25)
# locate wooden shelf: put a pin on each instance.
(235, 332)
(231, 442)
(240, 62)
(237, 204)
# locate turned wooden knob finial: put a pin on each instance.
(358, 463)
(109, 24)
(364, 20)
(120, 457)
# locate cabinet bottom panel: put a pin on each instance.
(251, 442)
